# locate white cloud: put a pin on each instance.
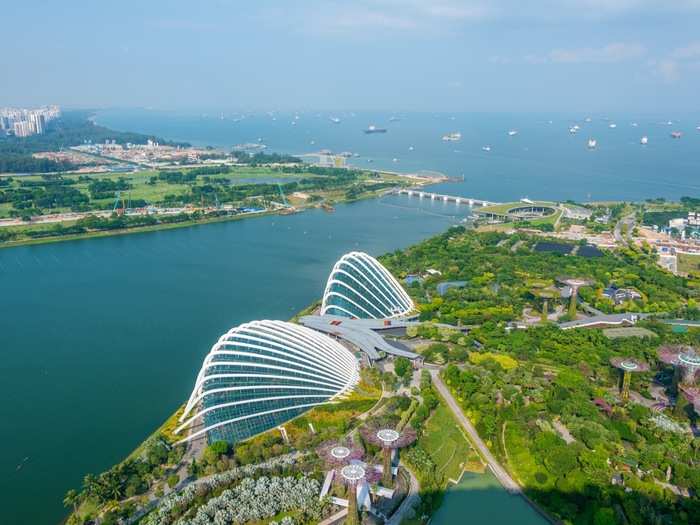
(668, 70)
(671, 68)
(689, 52)
(394, 15)
(498, 59)
(612, 53)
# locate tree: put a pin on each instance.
(402, 367)
(72, 499)
(604, 516)
(173, 480)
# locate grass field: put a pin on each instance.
(688, 263)
(5, 208)
(632, 331)
(444, 441)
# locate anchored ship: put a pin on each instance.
(374, 129)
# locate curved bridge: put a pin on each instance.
(471, 202)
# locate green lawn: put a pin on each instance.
(5, 208)
(688, 263)
(444, 441)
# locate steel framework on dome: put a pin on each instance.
(686, 361)
(259, 375)
(360, 287)
(628, 366)
(388, 439)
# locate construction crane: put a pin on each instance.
(284, 199)
(120, 195)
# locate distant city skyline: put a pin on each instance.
(445, 55)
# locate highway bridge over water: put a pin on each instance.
(445, 198)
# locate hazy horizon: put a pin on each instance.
(584, 56)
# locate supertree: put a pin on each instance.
(628, 365)
(686, 361)
(574, 283)
(544, 291)
(352, 475)
(343, 458)
(388, 439)
(692, 394)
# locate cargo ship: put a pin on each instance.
(374, 129)
(452, 137)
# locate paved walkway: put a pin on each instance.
(503, 477)
(410, 501)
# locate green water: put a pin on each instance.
(478, 499)
(101, 339)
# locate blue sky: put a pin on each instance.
(441, 55)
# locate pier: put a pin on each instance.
(471, 202)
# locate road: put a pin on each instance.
(503, 477)
(629, 221)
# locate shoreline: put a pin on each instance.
(421, 181)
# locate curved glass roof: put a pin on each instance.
(260, 374)
(360, 287)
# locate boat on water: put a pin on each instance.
(573, 130)
(374, 129)
(644, 140)
(592, 143)
(394, 159)
(676, 134)
(588, 119)
(411, 148)
(634, 124)
(512, 132)
(335, 120)
(452, 137)
(394, 119)
(486, 148)
(612, 125)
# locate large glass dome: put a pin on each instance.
(261, 374)
(360, 287)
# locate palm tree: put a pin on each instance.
(90, 484)
(72, 499)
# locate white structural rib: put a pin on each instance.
(359, 282)
(264, 362)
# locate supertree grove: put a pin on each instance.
(344, 459)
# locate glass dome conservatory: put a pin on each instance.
(360, 287)
(261, 374)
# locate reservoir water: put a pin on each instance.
(542, 161)
(480, 499)
(101, 339)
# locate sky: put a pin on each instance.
(410, 55)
